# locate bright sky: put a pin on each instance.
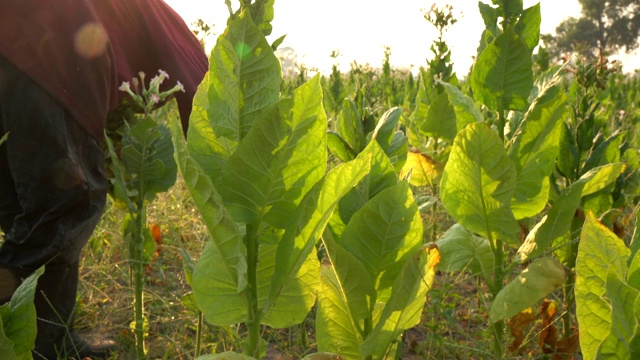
(360, 29)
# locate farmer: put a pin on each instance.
(61, 63)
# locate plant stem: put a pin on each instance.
(253, 322)
(199, 333)
(501, 124)
(498, 280)
(569, 301)
(138, 263)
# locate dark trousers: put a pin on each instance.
(52, 194)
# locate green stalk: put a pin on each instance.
(253, 321)
(199, 333)
(569, 301)
(138, 264)
(368, 327)
(498, 274)
(498, 280)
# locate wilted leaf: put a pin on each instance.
(518, 326)
(548, 337)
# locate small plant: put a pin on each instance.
(142, 167)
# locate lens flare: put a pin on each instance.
(91, 40)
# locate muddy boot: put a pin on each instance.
(55, 302)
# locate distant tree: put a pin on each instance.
(604, 27)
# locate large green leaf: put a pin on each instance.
(478, 183)
(242, 86)
(490, 16)
(392, 141)
(298, 294)
(441, 119)
(6, 345)
(221, 273)
(624, 319)
(535, 282)
(339, 147)
(280, 159)
(558, 220)
(381, 176)
(383, 234)
(461, 250)
(599, 253)
(147, 154)
(309, 222)
(606, 152)
(404, 308)
(356, 285)
(502, 76)
(528, 26)
(535, 150)
(337, 330)
(211, 152)
(349, 126)
(568, 162)
(466, 109)
(19, 320)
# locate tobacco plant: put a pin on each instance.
(494, 177)
(498, 175)
(374, 288)
(256, 165)
(142, 166)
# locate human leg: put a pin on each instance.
(53, 190)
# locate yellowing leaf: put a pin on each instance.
(425, 171)
(600, 251)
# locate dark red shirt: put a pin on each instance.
(80, 51)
